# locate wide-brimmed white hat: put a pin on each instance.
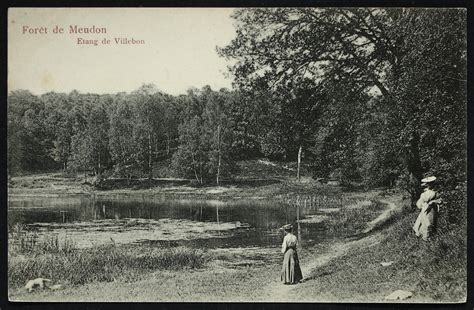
(428, 180)
(287, 227)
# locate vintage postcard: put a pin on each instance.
(237, 155)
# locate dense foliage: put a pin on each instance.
(121, 135)
(376, 96)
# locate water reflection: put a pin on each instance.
(262, 218)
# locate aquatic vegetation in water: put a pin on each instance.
(124, 231)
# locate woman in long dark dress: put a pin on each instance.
(290, 271)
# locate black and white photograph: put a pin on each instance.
(270, 154)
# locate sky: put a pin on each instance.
(179, 49)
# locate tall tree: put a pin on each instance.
(430, 92)
(191, 158)
(60, 123)
(217, 126)
(373, 51)
(29, 140)
(121, 142)
(205, 136)
(89, 142)
(148, 105)
(98, 135)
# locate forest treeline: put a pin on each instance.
(123, 135)
(376, 96)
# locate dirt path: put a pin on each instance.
(278, 292)
(383, 217)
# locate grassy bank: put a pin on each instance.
(433, 271)
(98, 264)
(257, 179)
(169, 286)
(353, 219)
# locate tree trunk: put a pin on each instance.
(98, 169)
(298, 223)
(413, 162)
(414, 168)
(200, 168)
(150, 150)
(167, 143)
(219, 153)
(218, 169)
(299, 162)
(194, 167)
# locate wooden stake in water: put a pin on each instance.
(64, 215)
(217, 213)
(298, 221)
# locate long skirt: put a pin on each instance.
(291, 271)
(426, 222)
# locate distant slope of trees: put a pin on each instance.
(376, 96)
(122, 134)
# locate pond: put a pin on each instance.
(90, 220)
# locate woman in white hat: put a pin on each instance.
(425, 224)
(290, 271)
